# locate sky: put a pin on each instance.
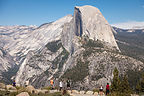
(37, 12)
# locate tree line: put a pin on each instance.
(121, 87)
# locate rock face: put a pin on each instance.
(6, 60)
(13, 38)
(89, 21)
(40, 37)
(6, 63)
(23, 94)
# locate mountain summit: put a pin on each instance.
(90, 22)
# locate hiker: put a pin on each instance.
(68, 84)
(14, 83)
(107, 89)
(61, 85)
(26, 83)
(101, 90)
(52, 83)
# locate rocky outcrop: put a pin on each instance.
(2, 86)
(6, 60)
(31, 89)
(10, 87)
(89, 21)
(37, 40)
(6, 63)
(23, 94)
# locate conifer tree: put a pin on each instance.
(125, 87)
(138, 87)
(142, 83)
(115, 86)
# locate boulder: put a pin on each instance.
(53, 91)
(31, 89)
(18, 85)
(10, 87)
(96, 94)
(89, 92)
(42, 91)
(134, 95)
(82, 92)
(2, 86)
(23, 94)
(75, 91)
(12, 90)
(69, 91)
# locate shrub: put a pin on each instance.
(78, 72)
(47, 88)
(92, 43)
(54, 46)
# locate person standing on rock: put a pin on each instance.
(68, 84)
(52, 83)
(14, 83)
(107, 89)
(26, 83)
(101, 90)
(60, 85)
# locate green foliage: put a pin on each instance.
(133, 77)
(95, 90)
(119, 94)
(97, 77)
(78, 72)
(11, 72)
(7, 93)
(140, 85)
(54, 46)
(46, 72)
(114, 59)
(120, 88)
(88, 52)
(59, 60)
(115, 86)
(125, 87)
(92, 43)
(50, 94)
(47, 88)
(135, 45)
(65, 55)
(92, 46)
(132, 51)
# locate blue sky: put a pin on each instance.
(37, 12)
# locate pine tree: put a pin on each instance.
(115, 86)
(142, 83)
(125, 87)
(138, 87)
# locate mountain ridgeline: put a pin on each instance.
(81, 47)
